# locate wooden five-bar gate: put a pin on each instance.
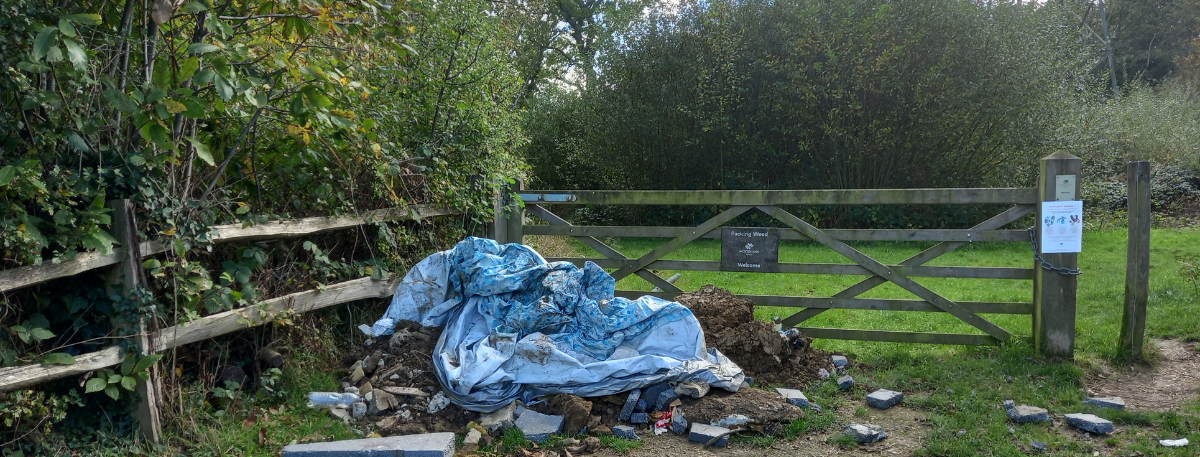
(1052, 307)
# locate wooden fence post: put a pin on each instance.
(1137, 266)
(515, 214)
(127, 276)
(1054, 292)
(498, 230)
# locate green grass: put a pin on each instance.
(962, 387)
(621, 445)
(1170, 312)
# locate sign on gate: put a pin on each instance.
(750, 249)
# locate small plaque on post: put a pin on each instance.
(750, 249)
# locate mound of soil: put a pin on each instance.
(729, 325)
(717, 309)
(770, 411)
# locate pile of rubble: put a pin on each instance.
(391, 384)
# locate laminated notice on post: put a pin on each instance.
(1062, 227)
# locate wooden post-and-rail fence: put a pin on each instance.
(1053, 296)
(124, 271)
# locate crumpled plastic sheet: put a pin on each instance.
(518, 327)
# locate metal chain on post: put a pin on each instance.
(1047, 265)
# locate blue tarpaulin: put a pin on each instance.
(519, 327)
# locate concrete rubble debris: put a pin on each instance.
(692, 389)
(340, 413)
(438, 403)
(845, 382)
(1025, 414)
(630, 404)
(1182, 442)
(793, 396)
(537, 426)
(841, 371)
(679, 423)
(1106, 402)
(1040, 446)
(625, 431)
(639, 418)
(588, 446)
(405, 391)
(839, 360)
(664, 399)
(1090, 423)
(884, 399)
(1009, 404)
(865, 433)
(424, 445)
(472, 439)
(823, 373)
(702, 433)
(651, 395)
(358, 409)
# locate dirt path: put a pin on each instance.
(1169, 384)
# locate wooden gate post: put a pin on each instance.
(515, 214)
(1054, 292)
(1137, 267)
(127, 275)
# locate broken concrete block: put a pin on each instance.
(1009, 404)
(1040, 446)
(1106, 402)
(499, 420)
(639, 418)
(845, 382)
(630, 404)
(358, 409)
(625, 431)
(884, 399)
(702, 433)
(679, 423)
(664, 399)
(733, 420)
(424, 445)
(865, 433)
(437, 403)
(1090, 423)
(537, 426)
(380, 401)
(641, 405)
(1025, 414)
(839, 360)
(793, 396)
(694, 389)
(651, 394)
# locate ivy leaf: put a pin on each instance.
(58, 358)
(95, 385)
(7, 174)
(43, 42)
(100, 241)
(112, 391)
(76, 54)
(202, 48)
(202, 151)
(89, 19)
(129, 383)
(77, 142)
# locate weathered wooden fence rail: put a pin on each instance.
(210, 326)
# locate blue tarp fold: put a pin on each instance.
(518, 327)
